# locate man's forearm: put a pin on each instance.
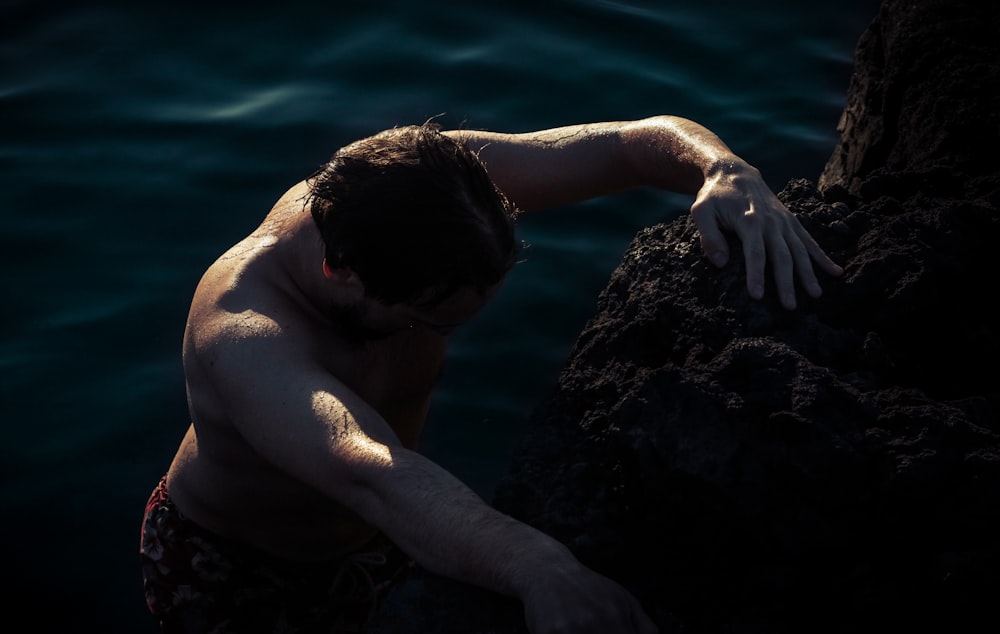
(450, 530)
(674, 153)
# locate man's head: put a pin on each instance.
(414, 215)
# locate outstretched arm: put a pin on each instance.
(548, 168)
(313, 427)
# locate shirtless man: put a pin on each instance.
(312, 347)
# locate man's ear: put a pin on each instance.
(327, 271)
(343, 277)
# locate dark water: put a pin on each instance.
(140, 140)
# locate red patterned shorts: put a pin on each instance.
(199, 582)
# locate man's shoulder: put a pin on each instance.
(253, 321)
(234, 306)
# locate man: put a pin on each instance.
(312, 347)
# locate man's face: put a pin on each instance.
(371, 320)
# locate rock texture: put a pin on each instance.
(742, 468)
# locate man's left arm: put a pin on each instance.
(559, 166)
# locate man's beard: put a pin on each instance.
(350, 323)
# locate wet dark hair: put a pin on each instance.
(414, 214)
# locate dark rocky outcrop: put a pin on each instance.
(742, 468)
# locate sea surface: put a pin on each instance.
(139, 140)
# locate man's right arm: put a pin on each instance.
(307, 423)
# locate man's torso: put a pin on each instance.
(217, 478)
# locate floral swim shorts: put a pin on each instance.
(199, 582)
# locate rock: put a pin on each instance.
(742, 468)
(923, 97)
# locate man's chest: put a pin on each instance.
(396, 372)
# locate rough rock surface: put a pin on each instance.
(742, 468)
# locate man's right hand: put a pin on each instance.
(577, 600)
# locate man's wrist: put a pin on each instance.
(728, 165)
(544, 558)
